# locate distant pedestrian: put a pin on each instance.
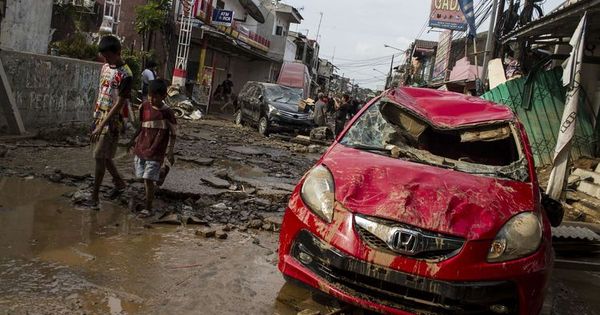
(354, 108)
(154, 140)
(148, 75)
(227, 87)
(320, 110)
(341, 114)
(113, 97)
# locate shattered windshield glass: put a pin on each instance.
(282, 94)
(488, 150)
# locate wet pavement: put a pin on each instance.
(63, 260)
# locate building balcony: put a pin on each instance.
(204, 10)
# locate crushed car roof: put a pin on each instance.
(448, 109)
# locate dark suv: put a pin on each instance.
(272, 107)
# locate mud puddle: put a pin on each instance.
(55, 259)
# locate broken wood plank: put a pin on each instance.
(585, 174)
(589, 188)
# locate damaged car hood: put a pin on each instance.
(436, 199)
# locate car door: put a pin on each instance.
(257, 102)
(245, 100)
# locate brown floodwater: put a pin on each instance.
(57, 259)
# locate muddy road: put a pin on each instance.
(57, 258)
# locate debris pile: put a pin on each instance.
(583, 192)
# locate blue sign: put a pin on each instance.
(222, 17)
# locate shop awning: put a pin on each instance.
(559, 25)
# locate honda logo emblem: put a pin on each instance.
(403, 240)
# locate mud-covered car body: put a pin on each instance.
(272, 107)
(427, 203)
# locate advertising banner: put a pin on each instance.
(447, 14)
(442, 57)
(202, 91)
(222, 17)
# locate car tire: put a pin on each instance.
(237, 118)
(263, 126)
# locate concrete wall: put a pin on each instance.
(51, 90)
(26, 25)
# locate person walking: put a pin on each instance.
(114, 94)
(341, 114)
(227, 87)
(154, 140)
(148, 75)
(320, 110)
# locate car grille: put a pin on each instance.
(400, 290)
(295, 116)
(433, 246)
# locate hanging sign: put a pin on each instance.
(447, 14)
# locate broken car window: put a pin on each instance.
(282, 94)
(489, 149)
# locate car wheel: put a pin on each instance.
(263, 126)
(237, 118)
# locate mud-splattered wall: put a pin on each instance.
(50, 91)
(25, 25)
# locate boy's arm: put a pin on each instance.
(172, 139)
(138, 128)
(115, 110)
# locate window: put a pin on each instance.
(489, 150)
(279, 31)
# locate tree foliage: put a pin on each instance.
(77, 46)
(152, 17)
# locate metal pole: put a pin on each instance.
(388, 82)
(495, 53)
(489, 44)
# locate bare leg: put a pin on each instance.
(98, 178)
(149, 194)
(116, 177)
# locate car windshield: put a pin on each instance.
(386, 128)
(282, 94)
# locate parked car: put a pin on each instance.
(427, 203)
(271, 107)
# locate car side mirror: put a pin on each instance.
(554, 210)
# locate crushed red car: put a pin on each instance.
(428, 203)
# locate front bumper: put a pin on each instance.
(340, 264)
(283, 119)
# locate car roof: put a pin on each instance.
(449, 109)
(265, 84)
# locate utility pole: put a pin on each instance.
(388, 82)
(489, 44)
(498, 52)
(319, 28)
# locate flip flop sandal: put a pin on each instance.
(144, 214)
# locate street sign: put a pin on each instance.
(447, 14)
(222, 17)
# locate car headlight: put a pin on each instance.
(519, 237)
(272, 109)
(318, 192)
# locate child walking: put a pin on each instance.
(154, 140)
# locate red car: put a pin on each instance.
(427, 203)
